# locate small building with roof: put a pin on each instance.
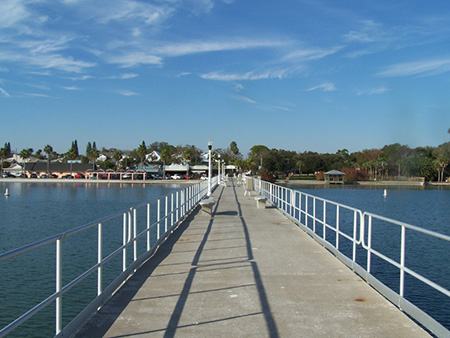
(334, 177)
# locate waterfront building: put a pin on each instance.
(334, 177)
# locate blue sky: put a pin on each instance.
(319, 75)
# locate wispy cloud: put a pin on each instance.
(268, 74)
(196, 47)
(369, 32)
(72, 88)
(4, 92)
(125, 76)
(127, 93)
(326, 87)
(135, 59)
(131, 11)
(418, 68)
(12, 12)
(81, 78)
(47, 61)
(244, 99)
(373, 91)
(238, 87)
(38, 95)
(309, 54)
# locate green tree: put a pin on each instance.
(3, 156)
(72, 154)
(117, 157)
(234, 150)
(142, 151)
(48, 149)
(92, 153)
(26, 153)
(8, 152)
(257, 157)
(166, 158)
(442, 155)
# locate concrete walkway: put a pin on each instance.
(246, 272)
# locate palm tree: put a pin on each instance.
(26, 153)
(92, 153)
(142, 151)
(165, 157)
(299, 165)
(3, 155)
(48, 149)
(117, 157)
(71, 155)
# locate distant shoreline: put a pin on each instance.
(368, 183)
(83, 180)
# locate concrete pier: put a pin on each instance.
(246, 272)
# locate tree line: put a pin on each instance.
(394, 161)
(123, 159)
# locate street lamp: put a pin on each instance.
(209, 166)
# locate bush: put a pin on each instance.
(320, 176)
(267, 177)
(352, 174)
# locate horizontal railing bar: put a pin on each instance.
(409, 226)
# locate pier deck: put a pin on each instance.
(246, 272)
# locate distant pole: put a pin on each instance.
(218, 170)
(209, 167)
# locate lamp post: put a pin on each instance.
(209, 167)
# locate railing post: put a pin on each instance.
(171, 209)
(355, 233)
(314, 215)
(402, 262)
(148, 228)
(183, 199)
(166, 209)
(337, 226)
(158, 218)
(58, 321)
(177, 206)
(324, 206)
(369, 244)
(124, 256)
(134, 234)
(99, 258)
(306, 210)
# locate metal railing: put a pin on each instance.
(349, 234)
(170, 211)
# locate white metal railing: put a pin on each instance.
(171, 210)
(332, 223)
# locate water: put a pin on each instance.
(426, 207)
(34, 211)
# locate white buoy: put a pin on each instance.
(385, 193)
(6, 192)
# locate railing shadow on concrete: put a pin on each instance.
(186, 291)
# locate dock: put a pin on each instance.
(245, 271)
